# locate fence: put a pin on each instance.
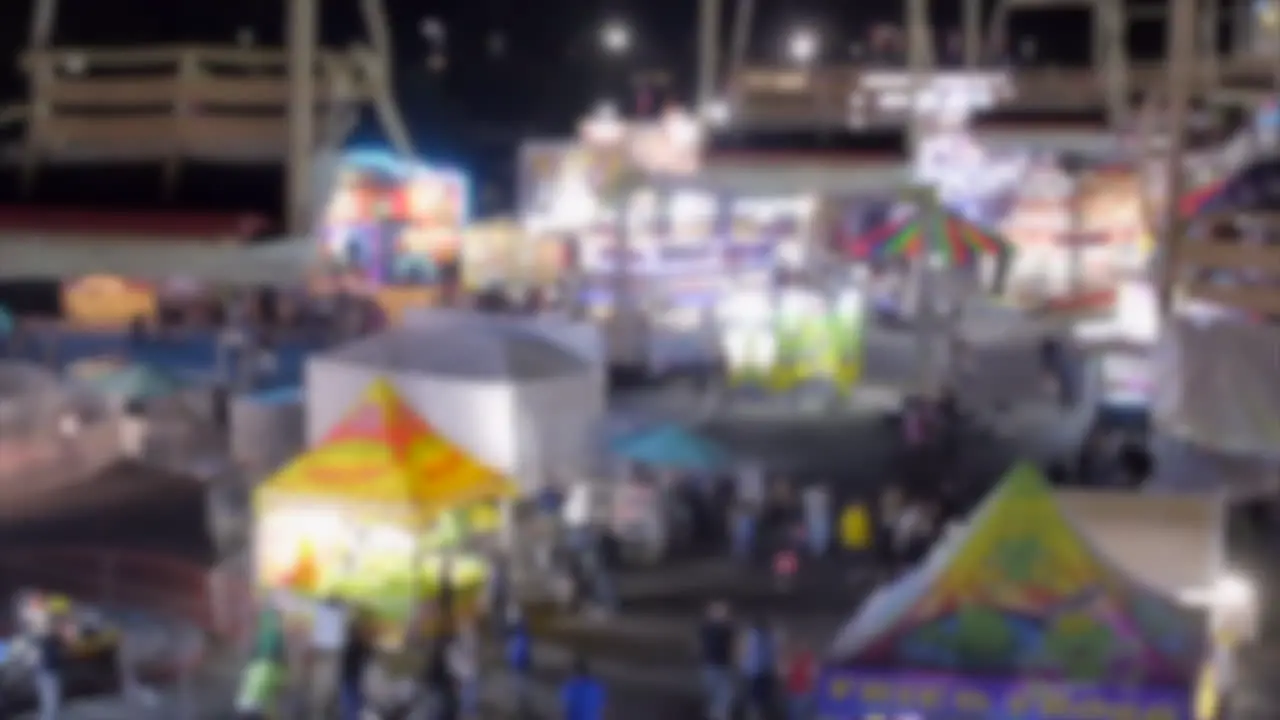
(213, 600)
(36, 462)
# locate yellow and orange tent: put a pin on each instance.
(383, 456)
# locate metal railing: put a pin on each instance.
(42, 462)
(111, 578)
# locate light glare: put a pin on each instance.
(802, 46)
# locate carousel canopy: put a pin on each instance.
(1020, 593)
(947, 234)
(1254, 188)
(382, 453)
(671, 446)
(1193, 201)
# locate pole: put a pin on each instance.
(1181, 45)
(708, 51)
(972, 24)
(302, 20)
(919, 56)
(742, 19)
(1111, 57)
(1074, 168)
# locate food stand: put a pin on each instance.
(1015, 616)
(108, 301)
(790, 337)
(394, 229)
(377, 512)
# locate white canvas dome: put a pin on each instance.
(522, 395)
(466, 351)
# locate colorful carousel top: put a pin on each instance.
(1020, 592)
(383, 453)
(957, 240)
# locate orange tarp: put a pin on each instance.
(382, 453)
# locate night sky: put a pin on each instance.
(517, 68)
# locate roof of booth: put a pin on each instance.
(383, 453)
(467, 350)
(1020, 591)
(265, 263)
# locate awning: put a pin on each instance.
(950, 236)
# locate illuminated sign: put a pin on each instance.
(847, 695)
(935, 93)
(392, 221)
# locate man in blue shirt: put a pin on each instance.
(582, 696)
(759, 664)
(519, 655)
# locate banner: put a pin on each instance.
(108, 300)
(853, 695)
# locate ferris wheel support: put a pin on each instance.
(1181, 51)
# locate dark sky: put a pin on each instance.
(551, 69)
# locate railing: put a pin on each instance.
(177, 100)
(109, 578)
(43, 462)
(840, 94)
(1231, 271)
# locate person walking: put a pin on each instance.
(353, 662)
(329, 632)
(438, 680)
(758, 663)
(816, 501)
(464, 662)
(582, 697)
(50, 660)
(716, 650)
(518, 648)
(745, 530)
(801, 675)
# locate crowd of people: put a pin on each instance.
(750, 670)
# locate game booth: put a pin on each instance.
(379, 513)
(781, 340)
(393, 229)
(1016, 617)
(1223, 336)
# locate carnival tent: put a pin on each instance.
(1009, 616)
(383, 455)
(674, 447)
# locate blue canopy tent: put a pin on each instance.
(128, 381)
(671, 446)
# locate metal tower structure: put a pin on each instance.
(819, 95)
(172, 104)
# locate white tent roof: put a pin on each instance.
(465, 350)
(282, 261)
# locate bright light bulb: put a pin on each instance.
(802, 46)
(718, 113)
(615, 37)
